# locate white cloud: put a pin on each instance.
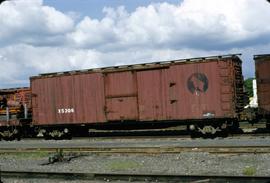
(35, 38)
(91, 33)
(32, 23)
(215, 24)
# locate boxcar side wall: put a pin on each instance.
(68, 99)
(262, 64)
(183, 91)
(189, 91)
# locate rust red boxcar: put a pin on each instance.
(262, 64)
(179, 90)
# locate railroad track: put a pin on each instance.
(144, 150)
(155, 145)
(182, 135)
(108, 177)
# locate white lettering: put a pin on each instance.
(65, 110)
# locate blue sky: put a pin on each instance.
(93, 8)
(39, 36)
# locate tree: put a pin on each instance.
(248, 85)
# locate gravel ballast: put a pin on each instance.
(187, 163)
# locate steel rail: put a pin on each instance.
(146, 150)
(129, 177)
(120, 137)
(167, 134)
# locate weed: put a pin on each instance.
(249, 171)
(123, 165)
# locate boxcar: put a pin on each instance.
(15, 107)
(262, 65)
(206, 94)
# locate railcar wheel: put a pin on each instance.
(68, 136)
(224, 133)
(46, 136)
(234, 127)
(18, 134)
(268, 124)
(57, 134)
(18, 137)
(208, 130)
(12, 138)
(194, 134)
(10, 134)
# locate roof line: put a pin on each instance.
(8, 90)
(261, 56)
(144, 64)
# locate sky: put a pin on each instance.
(40, 36)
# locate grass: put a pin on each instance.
(249, 171)
(123, 165)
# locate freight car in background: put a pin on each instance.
(205, 94)
(15, 111)
(262, 65)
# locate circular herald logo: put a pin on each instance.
(197, 83)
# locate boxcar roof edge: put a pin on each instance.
(261, 56)
(12, 90)
(150, 65)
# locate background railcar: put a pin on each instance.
(262, 65)
(15, 109)
(204, 93)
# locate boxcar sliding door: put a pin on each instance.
(121, 96)
(152, 94)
